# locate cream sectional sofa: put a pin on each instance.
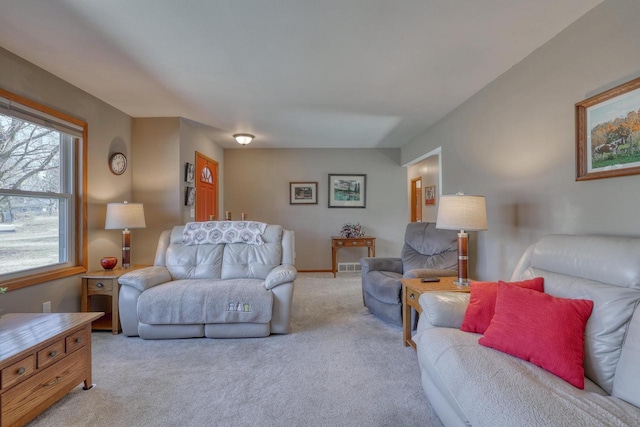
(224, 290)
(469, 384)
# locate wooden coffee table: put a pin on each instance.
(411, 291)
(42, 358)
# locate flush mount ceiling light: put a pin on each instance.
(243, 138)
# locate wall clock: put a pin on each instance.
(118, 163)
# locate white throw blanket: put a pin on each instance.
(216, 232)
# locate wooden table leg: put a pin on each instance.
(406, 318)
(115, 313)
(334, 251)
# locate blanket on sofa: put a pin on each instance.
(216, 232)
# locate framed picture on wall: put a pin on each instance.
(189, 172)
(430, 195)
(303, 193)
(190, 196)
(608, 133)
(347, 191)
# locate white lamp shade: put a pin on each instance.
(462, 212)
(124, 215)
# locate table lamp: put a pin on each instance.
(125, 216)
(462, 212)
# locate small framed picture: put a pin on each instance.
(430, 195)
(347, 191)
(189, 172)
(190, 196)
(303, 193)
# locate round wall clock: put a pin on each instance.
(118, 163)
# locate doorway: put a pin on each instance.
(206, 188)
(416, 199)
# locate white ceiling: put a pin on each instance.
(295, 73)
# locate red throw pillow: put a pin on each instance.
(542, 329)
(482, 303)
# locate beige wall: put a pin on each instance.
(109, 131)
(257, 182)
(162, 147)
(514, 141)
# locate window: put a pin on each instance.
(42, 153)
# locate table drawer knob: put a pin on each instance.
(53, 353)
(78, 340)
(412, 296)
(100, 285)
(21, 371)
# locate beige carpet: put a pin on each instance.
(340, 367)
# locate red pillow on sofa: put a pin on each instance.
(482, 303)
(542, 329)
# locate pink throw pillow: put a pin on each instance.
(544, 330)
(482, 303)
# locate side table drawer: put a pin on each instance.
(99, 286)
(77, 340)
(50, 354)
(18, 372)
(412, 300)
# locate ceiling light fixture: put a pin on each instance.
(243, 138)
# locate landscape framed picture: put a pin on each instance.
(303, 193)
(347, 191)
(608, 133)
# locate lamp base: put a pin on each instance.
(126, 248)
(463, 282)
(463, 245)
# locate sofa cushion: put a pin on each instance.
(427, 247)
(240, 260)
(482, 303)
(495, 389)
(612, 309)
(206, 301)
(545, 330)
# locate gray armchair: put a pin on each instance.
(427, 252)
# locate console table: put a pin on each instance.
(42, 358)
(338, 242)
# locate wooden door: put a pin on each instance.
(206, 188)
(416, 200)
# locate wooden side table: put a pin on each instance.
(104, 282)
(338, 242)
(411, 291)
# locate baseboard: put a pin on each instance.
(314, 271)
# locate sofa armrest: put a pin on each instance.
(145, 278)
(443, 309)
(381, 264)
(284, 273)
(428, 272)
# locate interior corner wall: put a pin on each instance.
(109, 131)
(428, 170)
(514, 141)
(257, 182)
(192, 139)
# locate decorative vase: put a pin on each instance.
(108, 262)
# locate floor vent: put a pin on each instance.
(345, 267)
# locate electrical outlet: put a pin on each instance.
(192, 213)
(46, 307)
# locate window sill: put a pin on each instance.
(35, 279)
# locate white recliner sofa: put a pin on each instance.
(468, 384)
(224, 290)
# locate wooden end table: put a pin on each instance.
(338, 242)
(104, 282)
(411, 291)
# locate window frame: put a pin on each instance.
(79, 261)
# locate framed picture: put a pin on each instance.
(303, 193)
(430, 195)
(608, 133)
(189, 172)
(347, 191)
(190, 196)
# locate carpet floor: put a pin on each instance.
(340, 366)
